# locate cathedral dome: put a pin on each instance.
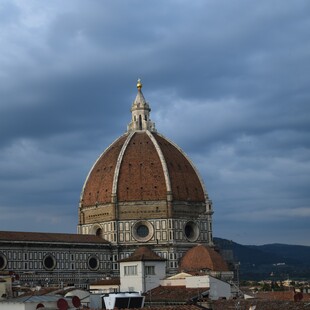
(142, 166)
(144, 184)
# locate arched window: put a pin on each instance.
(99, 232)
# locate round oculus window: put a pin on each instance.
(143, 231)
(191, 231)
(49, 262)
(93, 263)
(3, 261)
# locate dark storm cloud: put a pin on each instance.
(228, 81)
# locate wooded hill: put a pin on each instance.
(270, 261)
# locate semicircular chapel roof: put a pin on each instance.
(202, 257)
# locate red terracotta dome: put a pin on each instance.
(142, 166)
(200, 258)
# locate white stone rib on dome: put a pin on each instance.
(119, 162)
(191, 163)
(163, 163)
(100, 156)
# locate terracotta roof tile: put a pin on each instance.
(173, 293)
(285, 295)
(260, 304)
(112, 281)
(50, 237)
(143, 253)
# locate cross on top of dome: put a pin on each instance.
(140, 113)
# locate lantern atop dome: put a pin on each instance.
(140, 113)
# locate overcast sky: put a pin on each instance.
(228, 81)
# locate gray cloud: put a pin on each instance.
(227, 81)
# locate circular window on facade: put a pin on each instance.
(191, 231)
(3, 261)
(93, 263)
(143, 231)
(49, 262)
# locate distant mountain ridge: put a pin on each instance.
(275, 261)
(298, 253)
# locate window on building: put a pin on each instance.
(3, 261)
(49, 262)
(130, 270)
(149, 270)
(142, 230)
(93, 263)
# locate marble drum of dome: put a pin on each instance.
(144, 189)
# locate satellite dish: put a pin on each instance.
(76, 301)
(62, 304)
